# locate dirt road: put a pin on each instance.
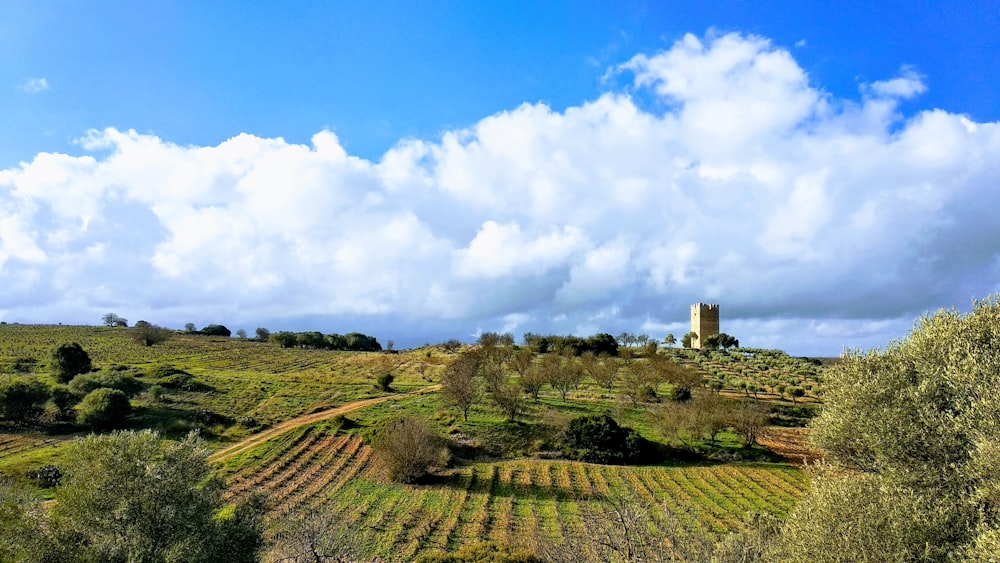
(294, 423)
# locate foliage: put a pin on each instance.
(686, 339)
(148, 334)
(262, 334)
(354, 341)
(106, 378)
(407, 449)
(598, 344)
(103, 409)
(921, 420)
(22, 400)
(132, 497)
(113, 320)
(867, 518)
(599, 439)
(384, 381)
(68, 360)
(216, 330)
(721, 340)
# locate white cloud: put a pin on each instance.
(806, 216)
(34, 85)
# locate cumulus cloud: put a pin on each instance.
(816, 222)
(34, 85)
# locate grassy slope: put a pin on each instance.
(324, 466)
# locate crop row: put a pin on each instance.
(527, 502)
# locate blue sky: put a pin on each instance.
(426, 170)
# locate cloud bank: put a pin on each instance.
(720, 173)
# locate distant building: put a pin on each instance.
(704, 323)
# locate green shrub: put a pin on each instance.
(69, 360)
(103, 409)
(108, 379)
(163, 370)
(23, 400)
(599, 439)
(384, 381)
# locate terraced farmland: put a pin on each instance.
(528, 502)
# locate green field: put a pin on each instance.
(505, 492)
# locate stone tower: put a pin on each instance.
(704, 323)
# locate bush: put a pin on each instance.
(216, 330)
(149, 334)
(599, 439)
(106, 379)
(23, 400)
(69, 360)
(103, 409)
(408, 449)
(384, 381)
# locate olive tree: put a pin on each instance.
(916, 427)
(131, 496)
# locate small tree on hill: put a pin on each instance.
(262, 334)
(458, 384)
(113, 320)
(69, 360)
(686, 339)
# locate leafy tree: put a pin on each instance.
(599, 439)
(262, 334)
(133, 497)
(919, 424)
(241, 334)
(407, 449)
(216, 330)
(284, 339)
(189, 327)
(103, 409)
(721, 340)
(68, 360)
(113, 320)
(670, 339)
(686, 339)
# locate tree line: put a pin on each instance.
(353, 341)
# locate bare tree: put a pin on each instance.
(532, 381)
(318, 537)
(458, 384)
(624, 529)
(556, 374)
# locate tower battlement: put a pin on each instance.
(704, 323)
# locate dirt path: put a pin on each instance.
(294, 423)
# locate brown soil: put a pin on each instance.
(790, 443)
(297, 422)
